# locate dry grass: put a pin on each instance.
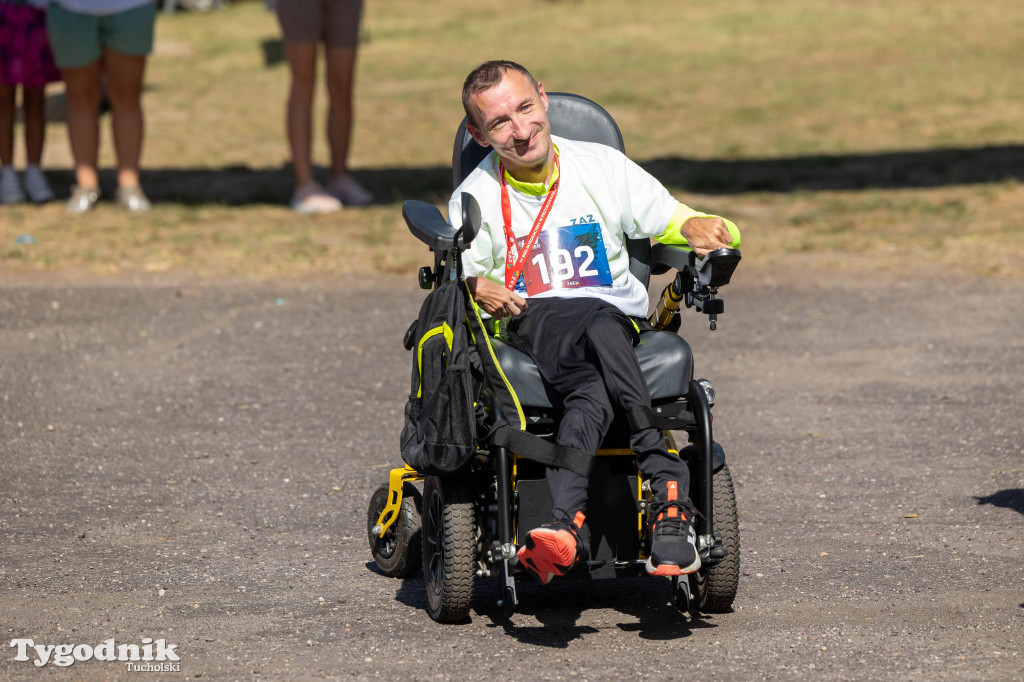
(841, 131)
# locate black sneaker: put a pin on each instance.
(673, 549)
(553, 549)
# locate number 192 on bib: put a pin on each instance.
(567, 258)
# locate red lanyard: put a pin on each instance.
(512, 272)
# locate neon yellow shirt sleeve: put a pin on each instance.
(673, 233)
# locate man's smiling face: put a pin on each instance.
(513, 119)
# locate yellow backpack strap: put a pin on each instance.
(512, 410)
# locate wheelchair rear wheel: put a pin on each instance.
(716, 586)
(398, 554)
(449, 547)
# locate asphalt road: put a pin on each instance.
(192, 462)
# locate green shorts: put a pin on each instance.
(79, 39)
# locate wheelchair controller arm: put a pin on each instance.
(696, 283)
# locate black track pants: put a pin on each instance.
(583, 348)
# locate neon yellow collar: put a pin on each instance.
(534, 189)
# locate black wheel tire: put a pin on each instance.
(716, 585)
(399, 553)
(449, 548)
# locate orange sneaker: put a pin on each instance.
(553, 549)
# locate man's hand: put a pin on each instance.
(494, 298)
(706, 234)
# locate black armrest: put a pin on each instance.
(665, 257)
(428, 225)
(425, 222)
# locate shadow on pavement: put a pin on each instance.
(892, 170)
(1011, 498)
(411, 593)
(242, 185)
(559, 606)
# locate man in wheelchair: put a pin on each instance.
(550, 266)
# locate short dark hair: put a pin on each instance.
(485, 77)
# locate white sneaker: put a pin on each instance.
(350, 192)
(133, 199)
(82, 199)
(36, 186)
(312, 198)
(10, 188)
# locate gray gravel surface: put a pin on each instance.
(192, 462)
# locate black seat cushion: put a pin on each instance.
(665, 359)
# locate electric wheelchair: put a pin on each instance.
(465, 527)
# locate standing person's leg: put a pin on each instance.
(302, 28)
(125, 75)
(8, 107)
(302, 62)
(82, 97)
(342, 37)
(341, 62)
(10, 188)
(127, 41)
(33, 102)
(34, 105)
(39, 69)
(75, 40)
(9, 79)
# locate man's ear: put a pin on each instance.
(477, 135)
(543, 95)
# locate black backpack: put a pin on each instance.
(454, 361)
(440, 421)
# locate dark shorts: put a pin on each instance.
(79, 39)
(332, 22)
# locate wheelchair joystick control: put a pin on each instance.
(696, 286)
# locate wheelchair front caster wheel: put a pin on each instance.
(508, 604)
(681, 592)
(398, 554)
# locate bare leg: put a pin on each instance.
(8, 107)
(34, 102)
(302, 61)
(341, 63)
(340, 77)
(83, 116)
(125, 75)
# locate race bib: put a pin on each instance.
(566, 258)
